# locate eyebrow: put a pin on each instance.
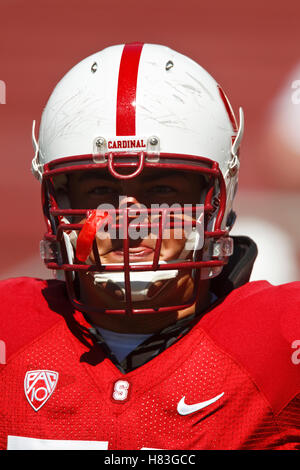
(91, 175)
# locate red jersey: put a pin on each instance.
(231, 382)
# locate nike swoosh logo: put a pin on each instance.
(184, 409)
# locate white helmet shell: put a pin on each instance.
(176, 100)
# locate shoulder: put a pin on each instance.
(258, 300)
(258, 324)
(29, 307)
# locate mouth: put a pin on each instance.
(140, 253)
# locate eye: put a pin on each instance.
(162, 189)
(101, 191)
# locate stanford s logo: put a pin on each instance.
(39, 386)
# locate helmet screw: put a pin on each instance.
(94, 67)
(154, 141)
(169, 65)
(100, 142)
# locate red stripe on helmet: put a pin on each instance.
(228, 109)
(126, 111)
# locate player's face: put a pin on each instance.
(91, 190)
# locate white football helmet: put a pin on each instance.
(138, 106)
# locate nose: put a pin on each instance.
(127, 201)
(134, 215)
(133, 203)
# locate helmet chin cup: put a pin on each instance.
(140, 282)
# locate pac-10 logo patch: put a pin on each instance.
(39, 386)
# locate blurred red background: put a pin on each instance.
(250, 48)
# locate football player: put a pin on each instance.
(152, 335)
